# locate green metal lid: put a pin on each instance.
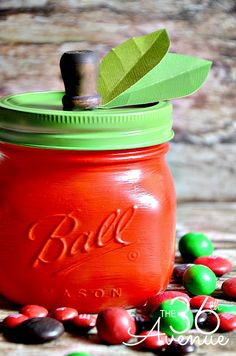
(37, 119)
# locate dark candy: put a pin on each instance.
(200, 318)
(180, 269)
(37, 330)
(142, 322)
(176, 349)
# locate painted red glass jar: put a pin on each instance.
(87, 203)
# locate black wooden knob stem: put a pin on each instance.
(79, 70)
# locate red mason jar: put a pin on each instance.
(87, 203)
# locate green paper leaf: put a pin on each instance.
(175, 76)
(125, 64)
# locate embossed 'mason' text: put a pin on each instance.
(62, 235)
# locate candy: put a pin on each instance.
(13, 320)
(226, 308)
(219, 265)
(199, 280)
(200, 318)
(173, 314)
(154, 340)
(195, 244)
(204, 302)
(64, 313)
(81, 323)
(114, 324)
(227, 321)
(37, 330)
(142, 323)
(154, 302)
(78, 354)
(177, 349)
(34, 311)
(180, 269)
(229, 287)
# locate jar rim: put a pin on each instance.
(37, 119)
(85, 158)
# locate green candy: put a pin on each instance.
(226, 308)
(195, 244)
(78, 354)
(175, 314)
(199, 280)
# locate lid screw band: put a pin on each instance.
(79, 70)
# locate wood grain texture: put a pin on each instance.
(202, 172)
(34, 34)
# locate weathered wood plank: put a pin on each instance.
(215, 219)
(204, 173)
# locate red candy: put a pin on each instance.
(198, 301)
(154, 302)
(154, 340)
(219, 265)
(64, 313)
(227, 321)
(34, 311)
(13, 320)
(229, 287)
(84, 321)
(114, 324)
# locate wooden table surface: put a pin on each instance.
(218, 221)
